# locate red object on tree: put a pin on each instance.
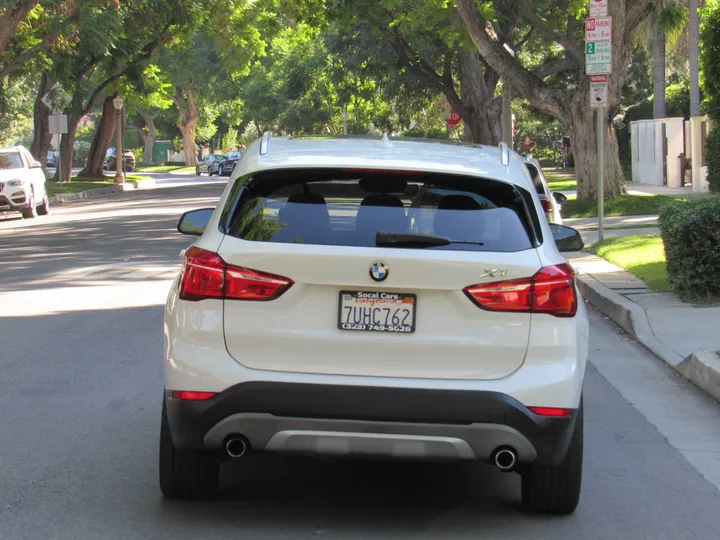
(454, 119)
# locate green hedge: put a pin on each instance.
(712, 154)
(691, 234)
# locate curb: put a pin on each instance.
(99, 192)
(702, 368)
(89, 194)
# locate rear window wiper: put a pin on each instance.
(416, 240)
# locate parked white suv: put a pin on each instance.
(22, 183)
(385, 298)
(550, 201)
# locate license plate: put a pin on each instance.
(377, 312)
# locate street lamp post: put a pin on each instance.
(119, 161)
(345, 122)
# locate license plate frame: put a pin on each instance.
(385, 301)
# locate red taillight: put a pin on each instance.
(192, 396)
(551, 411)
(246, 284)
(503, 296)
(554, 291)
(546, 205)
(206, 275)
(203, 275)
(551, 291)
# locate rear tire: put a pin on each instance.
(44, 208)
(31, 211)
(197, 171)
(185, 474)
(556, 489)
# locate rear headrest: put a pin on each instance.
(306, 198)
(382, 200)
(458, 202)
(383, 184)
(453, 224)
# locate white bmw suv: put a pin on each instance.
(22, 183)
(376, 298)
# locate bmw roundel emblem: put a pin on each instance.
(379, 271)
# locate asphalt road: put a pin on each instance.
(81, 296)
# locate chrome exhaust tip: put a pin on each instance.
(505, 459)
(237, 446)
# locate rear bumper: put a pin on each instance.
(362, 420)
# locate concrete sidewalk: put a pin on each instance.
(615, 221)
(683, 335)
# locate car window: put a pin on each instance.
(536, 178)
(348, 208)
(11, 160)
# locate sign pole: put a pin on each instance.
(59, 160)
(598, 64)
(600, 183)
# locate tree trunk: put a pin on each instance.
(506, 123)
(149, 138)
(484, 114)
(189, 116)
(659, 73)
(101, 141)
(188, 134)
(571, 109)
(694, 59)
(41, 131)
(67, 149)
(583, 133)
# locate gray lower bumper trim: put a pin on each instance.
(389, 439)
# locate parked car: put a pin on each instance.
(310, 318)
(209, 165)
(550, 201)
(227, 164)
(52, 159)
(22, 183)
(128, 160)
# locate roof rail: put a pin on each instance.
(504, 153)
(265, 142)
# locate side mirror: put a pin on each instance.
(566, 238)
(559, 197)
(35, 165)
(195, 221)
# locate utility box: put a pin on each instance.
(160, 151)
(656, 147)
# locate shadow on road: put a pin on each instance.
(360, 495)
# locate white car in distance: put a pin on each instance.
(22, 183)
(376, 298)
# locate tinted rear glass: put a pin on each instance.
(537, 180)
(348, 208)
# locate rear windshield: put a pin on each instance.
(350, 207)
